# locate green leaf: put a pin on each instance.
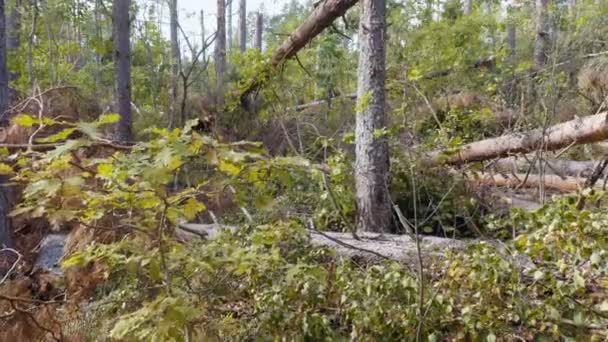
(192, 208)
(61, 135)
(105, 170)
(5, 169)
(25, 120)
(109, 118)
(229, 167)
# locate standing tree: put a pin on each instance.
(220, 48)
(511, 32)
(372, 159)
(5, 203)
(542, 41)
(242, 25)
(259, 28)
(229, 23)
(175, 59)
(121, 26)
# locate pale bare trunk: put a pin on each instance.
(259, 29)
(203, 36)
(584, 130)
(242, 25)
(372, 160)
(122, 62)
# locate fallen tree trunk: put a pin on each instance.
(584, 130)
(560, 167)
(322, 17)
(565, 184)
(371, 247)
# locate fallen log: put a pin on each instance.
(371, 247)
(322, 17)
(564, 184)
(560, 167)
(584, 130)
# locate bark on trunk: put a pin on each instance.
(371, 152)
(560, 167)
(565, 184)
(122, 54)
(229, 24)
(220, 48)
(401, 248)
(542, 42)
(242, 25)
(321, 18)
(13, 31)
(584, 130)
(511, 32)
(5, 198)
(203, 36)
(259, 28)
(3, 68)
(30, 46)
(175, 60)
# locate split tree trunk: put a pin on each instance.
(371, 152)
(242, 25)
(584, 130)
(259, 29)
(542, 42)
(122, 70)
(220, 49)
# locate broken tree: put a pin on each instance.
(583, 130)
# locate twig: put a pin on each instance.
(8, 273)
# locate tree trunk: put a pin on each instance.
(30, 46)
(242, 25)
(511, 32)
(13, 31)
(175, 60)
(584, 130)
(371, 152)
(220, 46)
(321, 18)
(229, 24)
(122, 69)
(5, 203)
(203, 36)
(259, 29)
(542, 42)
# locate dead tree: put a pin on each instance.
(371, 151)
(242, 25)
(259, 27)
(583, 130)
(122, 71)
(321, 18)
